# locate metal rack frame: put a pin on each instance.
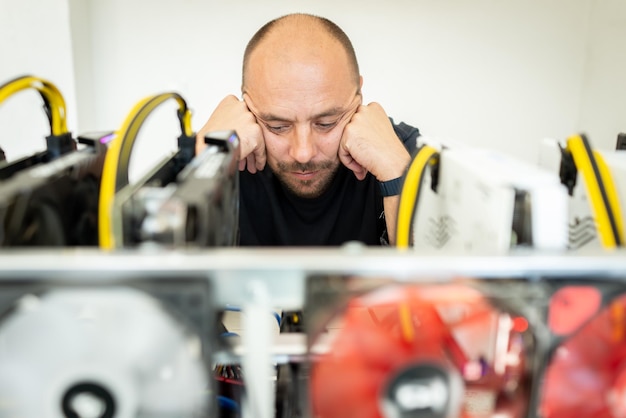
(261, 279)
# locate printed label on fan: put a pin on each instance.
(210, 166)
(67, 161)
(479, 402)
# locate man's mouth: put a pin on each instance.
(306, 175)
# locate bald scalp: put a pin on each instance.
(300, 30)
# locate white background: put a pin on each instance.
(34, 39)
(497, 73)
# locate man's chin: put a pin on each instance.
(306, 191)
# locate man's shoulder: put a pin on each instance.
(408, 134)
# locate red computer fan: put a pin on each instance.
(437, 350)
(586, 376)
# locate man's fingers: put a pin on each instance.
(346, 159)
(255, 160)
(359, 171)
(260, 157)
(251, 164)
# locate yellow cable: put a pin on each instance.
(55, 103)
(410, 193)
(612, 195)
(601, 191)
(406, 323)
(57, 108)
(617, 321)
(115, 170)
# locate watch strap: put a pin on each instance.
(391, 187)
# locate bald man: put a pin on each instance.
(317, 167)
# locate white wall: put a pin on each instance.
(603, 109)
(502, 74)
(34, 39)
(80, 24)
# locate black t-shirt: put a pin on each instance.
(350, 210)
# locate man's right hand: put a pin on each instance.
(233, 114)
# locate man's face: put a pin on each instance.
(302, 104)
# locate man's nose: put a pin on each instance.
(303, 147)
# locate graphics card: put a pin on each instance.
(480, 202)
(195, 205)
(53, 202)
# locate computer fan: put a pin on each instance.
(585, 375)
(127, 348)
(422, 351)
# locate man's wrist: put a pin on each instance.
(391, 187)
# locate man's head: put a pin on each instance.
(303, 22)
(301, 80)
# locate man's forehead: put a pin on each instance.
(292, 106)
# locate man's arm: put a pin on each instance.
(369, 143)
(390, 205)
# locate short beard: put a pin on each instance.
(322, 184)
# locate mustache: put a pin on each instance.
(304, 167)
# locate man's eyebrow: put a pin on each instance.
(269, 117)
(335, 111)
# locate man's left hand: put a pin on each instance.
(369, 143)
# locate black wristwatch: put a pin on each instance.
(391, 187)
